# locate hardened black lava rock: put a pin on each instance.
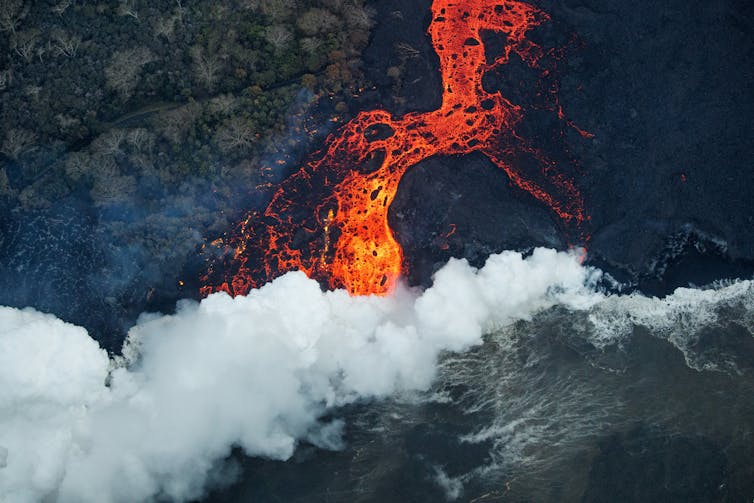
(667, 90)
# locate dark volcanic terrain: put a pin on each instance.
(666, 91)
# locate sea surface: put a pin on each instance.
(637, 399)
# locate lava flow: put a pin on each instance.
(330, 219)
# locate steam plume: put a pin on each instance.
(255, 372)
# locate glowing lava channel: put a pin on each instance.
(330, 219)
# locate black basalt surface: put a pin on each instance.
(667, 88)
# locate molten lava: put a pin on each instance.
(331, 218)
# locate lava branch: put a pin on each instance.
(330, 219)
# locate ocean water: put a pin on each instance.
(636, 399)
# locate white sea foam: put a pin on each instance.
(548, 389)
(680, 317)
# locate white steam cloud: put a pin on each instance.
(258, 372)
(254, 372)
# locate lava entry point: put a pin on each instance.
(330, 219)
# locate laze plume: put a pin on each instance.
(255, 372)
(330, 219)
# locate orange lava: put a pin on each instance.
(331, 218)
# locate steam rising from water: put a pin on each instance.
(255, 372)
